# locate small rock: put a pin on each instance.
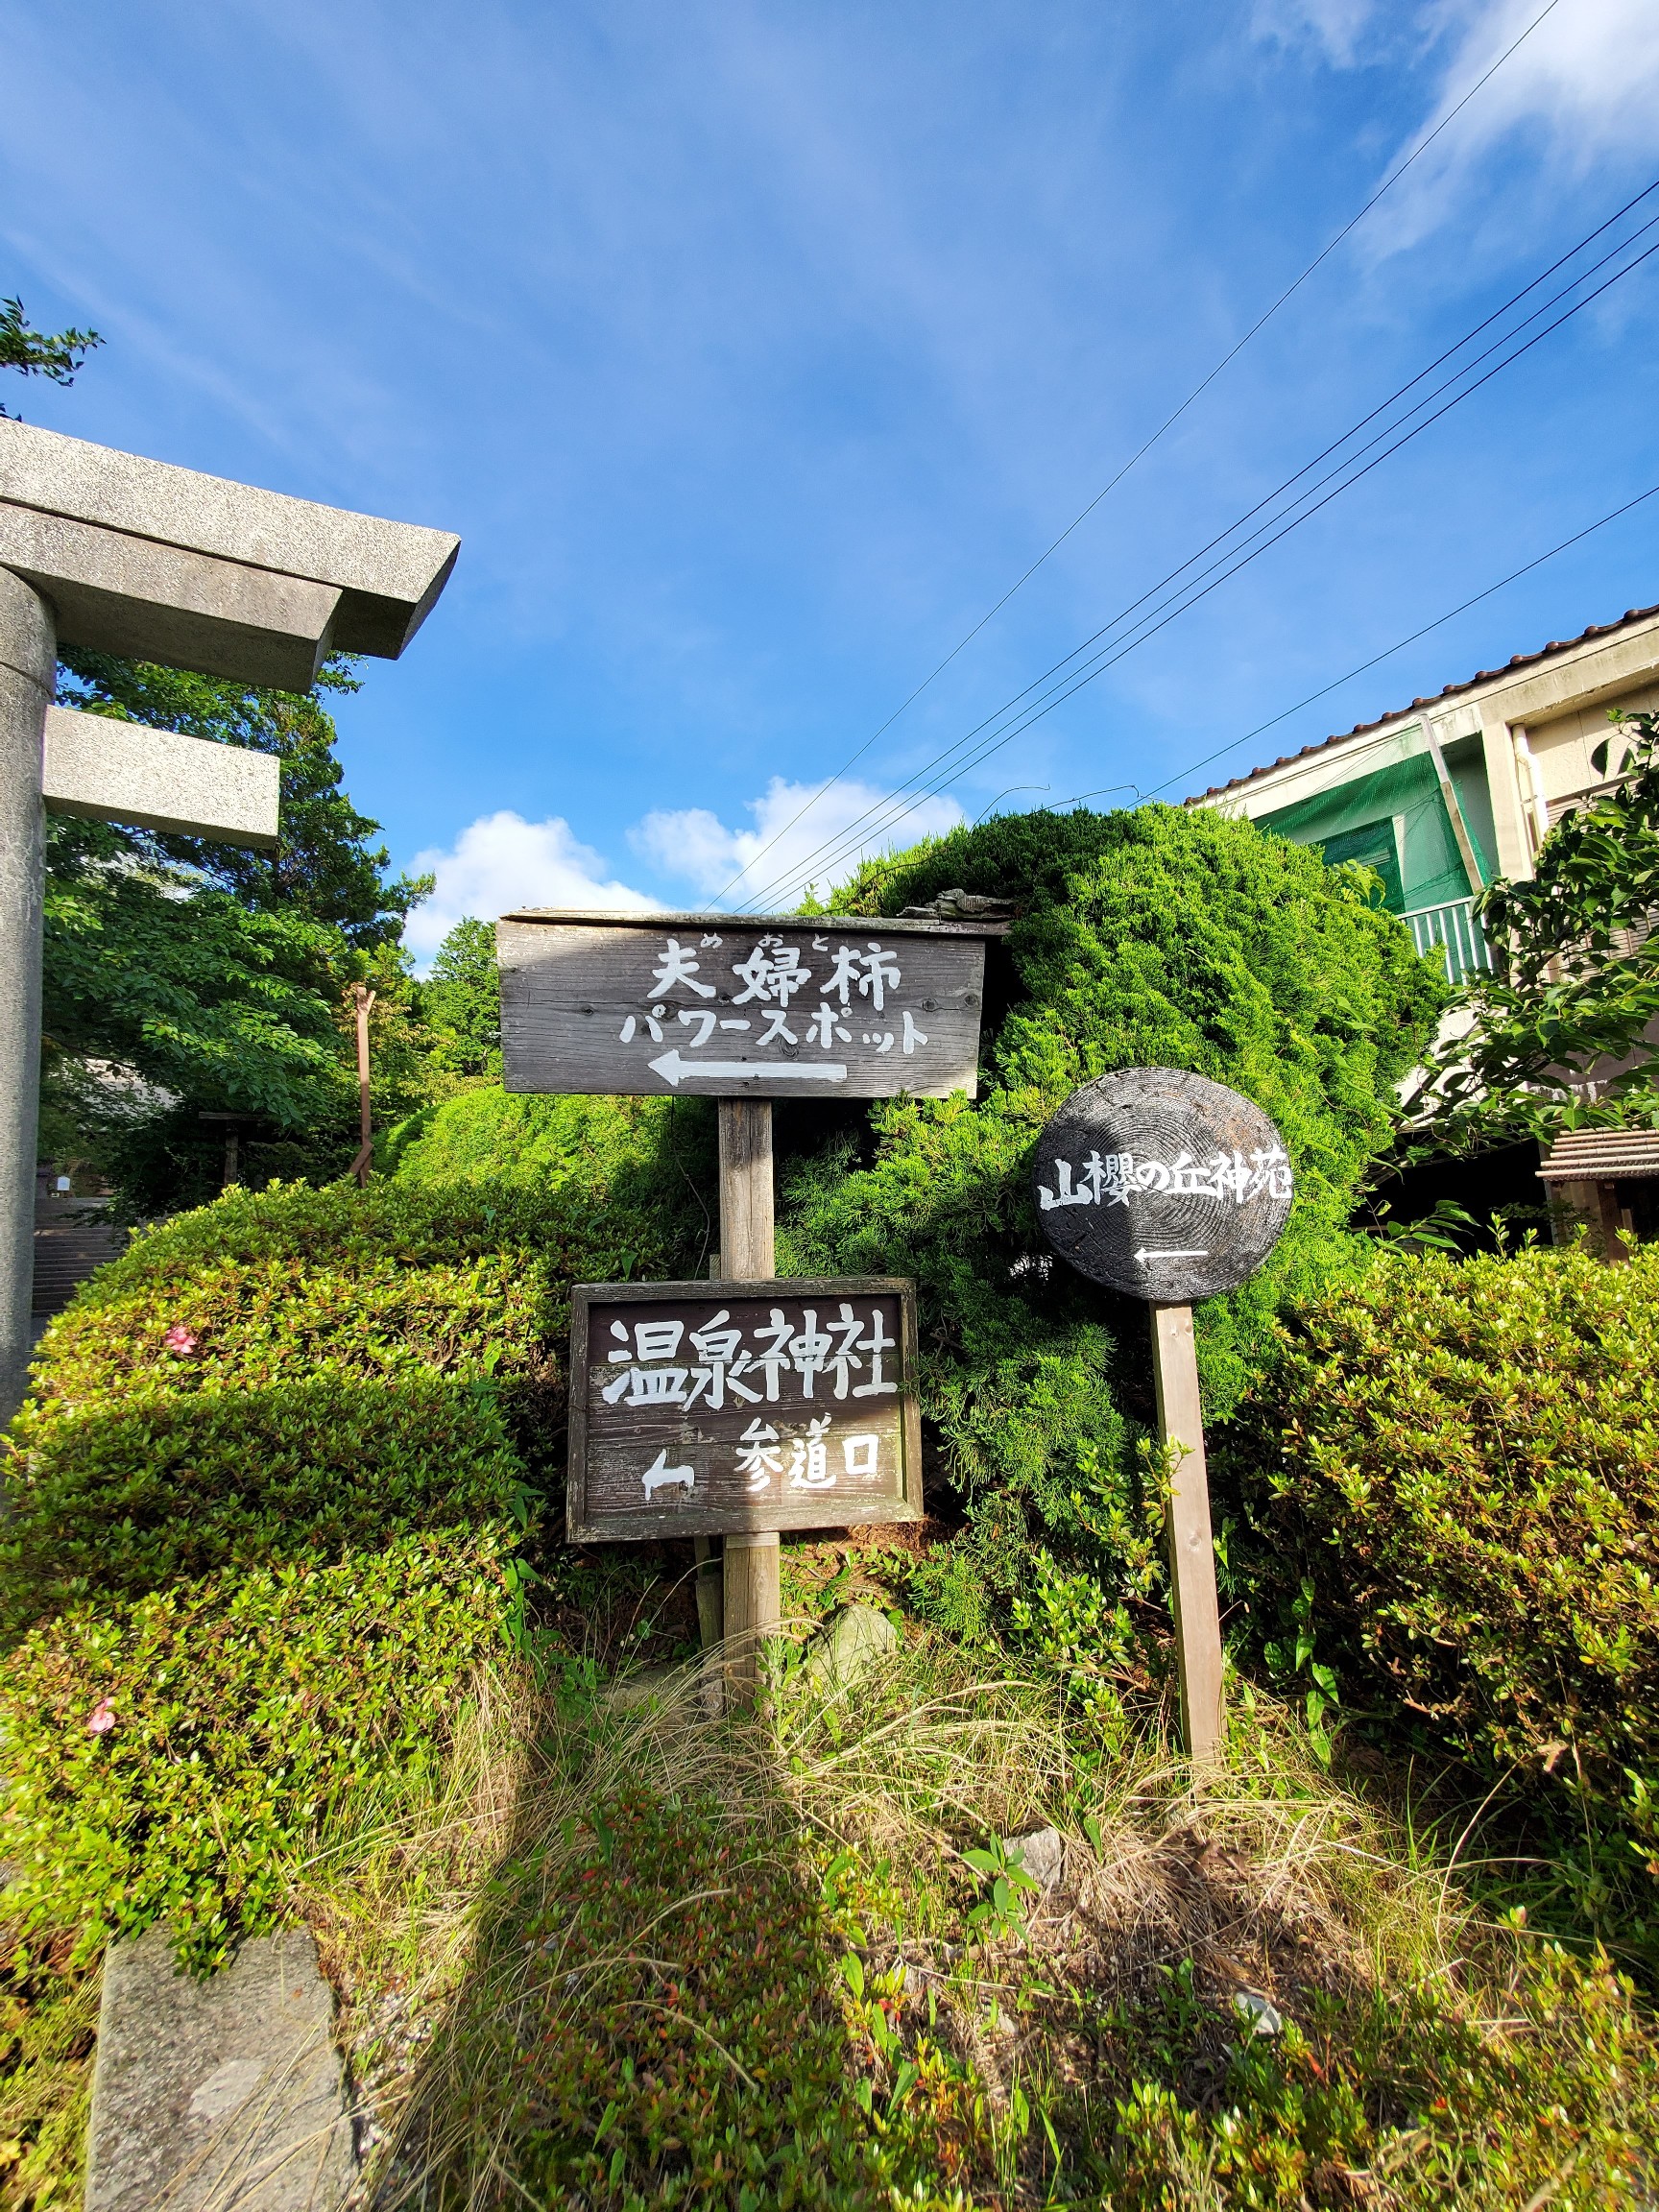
(1042, 1855)
(844, 1652)
(1264, 2016)
(649, 1686)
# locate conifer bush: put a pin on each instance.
(1161, 936)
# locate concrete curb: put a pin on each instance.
(219, 2096)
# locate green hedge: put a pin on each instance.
(1462, 1461)
(264, 1494)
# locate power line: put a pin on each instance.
(963, 756)
(886, 810)
(1140, 452)
(1439, 622)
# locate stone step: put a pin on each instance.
(219, 2096)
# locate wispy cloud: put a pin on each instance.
(690, 845)
(1579, 87)
(1584, 80)
(1336, 27)
(501, 861)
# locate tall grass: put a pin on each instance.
(625, 1955)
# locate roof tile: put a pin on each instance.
(1448, 691)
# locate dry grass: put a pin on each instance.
(1270, 1879)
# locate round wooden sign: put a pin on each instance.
(1162, 1184)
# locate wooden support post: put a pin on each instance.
(1191, 1551)
(752, 1604)
(746, 1251)
(711, 1626)
(750, 1564)
(365, 1001)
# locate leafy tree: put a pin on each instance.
(1574, 992)
(462, 1003)
(184, 977)
(55, 355)
(217, 976)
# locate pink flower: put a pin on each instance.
(102, 1718)
(178, 1339)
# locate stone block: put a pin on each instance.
(156, 602)
(218, 2096)
(845, 1650)
(388, 574)
(157, 780)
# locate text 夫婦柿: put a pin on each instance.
(856, 987)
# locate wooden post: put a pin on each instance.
(746, 1250)
(752, 1604)
(365, 998)
(1192, 1551)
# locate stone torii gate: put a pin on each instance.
(124, 555)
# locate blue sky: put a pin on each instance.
(755, 350)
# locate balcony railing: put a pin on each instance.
(1453, 929)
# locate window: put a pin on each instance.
(1373, 846)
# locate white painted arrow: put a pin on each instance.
(671, 1068)
(660, 1472)
(1143, 1256)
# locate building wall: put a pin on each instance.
(1557, 706)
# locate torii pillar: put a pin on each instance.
(124, 555)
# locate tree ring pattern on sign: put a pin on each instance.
(1162, 1184)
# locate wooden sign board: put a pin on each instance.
(699, 1409)
(709, 1005)
(1172, 1187)
(1162, 1185)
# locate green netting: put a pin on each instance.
(1397, 812)
(1375, 846)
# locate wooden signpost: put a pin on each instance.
(706, 1005)
(786, 1407)
(1169, 1187)
(699, 1412)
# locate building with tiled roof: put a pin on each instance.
(1440, 796)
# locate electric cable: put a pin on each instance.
(960, 760)
(1144, 448)
(886, 806)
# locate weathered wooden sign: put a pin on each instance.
(714, 1007)
(703, 1410)
(1162, 1184)
(1172, 1187)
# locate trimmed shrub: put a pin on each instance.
(171, 1757)
(265, 1502)
(1460, 1462)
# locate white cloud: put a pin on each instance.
(690, 845)
(501, 861)
(1579, 87)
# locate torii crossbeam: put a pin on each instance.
(124, 555)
